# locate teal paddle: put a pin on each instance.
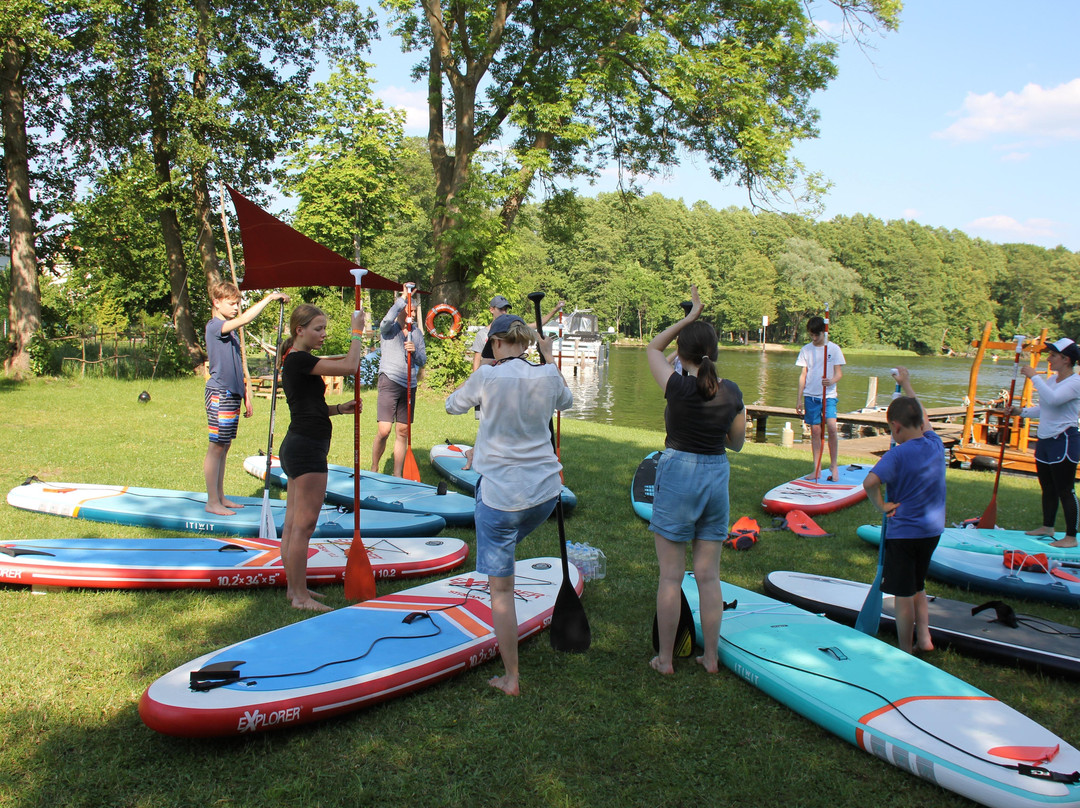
(869, 618)
(569, 630)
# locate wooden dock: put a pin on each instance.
(867, 446)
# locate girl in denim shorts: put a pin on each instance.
(704, 419)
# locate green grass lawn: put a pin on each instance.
(597, 729)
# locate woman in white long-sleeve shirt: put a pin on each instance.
(1058, 448)
(519, 472)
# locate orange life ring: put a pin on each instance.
(443, 308)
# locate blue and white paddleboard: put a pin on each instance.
(894, 705)
(379, 492)
(347, 659)
(979, 567)
(994, 541)
(449, 459)
(643, 486)
(186, 511)
(990, 630)
(820, 495)
(208, 563)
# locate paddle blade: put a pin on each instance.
(267, 528)
(409, 470)
(359, 576)
(684, 632)
(569, 624)
(989, 518)
(869, 618)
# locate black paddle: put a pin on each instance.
(569, 629)
(684, 632)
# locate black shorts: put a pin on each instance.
(906, 563)
(303, 455)
(390, 407)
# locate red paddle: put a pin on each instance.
(824, 376)
(409, 469)
(359, 576)
(989, 518)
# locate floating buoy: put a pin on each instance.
(444, 308)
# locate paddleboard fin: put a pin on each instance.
(799, 523)
(731, 605)
(215, 675)
(1006, 615)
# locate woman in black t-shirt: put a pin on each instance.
(704, 419)
(307, 443)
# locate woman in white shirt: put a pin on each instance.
(519, 472)
(1058, 448)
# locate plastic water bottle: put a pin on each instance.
(787, 435)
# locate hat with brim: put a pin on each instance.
(499, 302)
(500, 325)
(1067, 348)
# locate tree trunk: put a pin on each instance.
(24, 306)
(205, 243)
(170, 224)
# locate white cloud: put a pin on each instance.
(1016, 157)
(413, 102)
(1009, 229)
(912, 213)
(1033, 112)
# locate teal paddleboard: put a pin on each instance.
(994, 541)
(449, 460)
(186, 511)
(379, 492)
(893, 705)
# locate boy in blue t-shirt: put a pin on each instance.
(225, 386)
(914, 472)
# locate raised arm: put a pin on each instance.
(658, 363)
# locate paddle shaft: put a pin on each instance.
(409, 469)
(569, 623)
(824, 375)
(359, 576)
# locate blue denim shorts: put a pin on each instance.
(498, 533)
(691, 496)
(812, 409)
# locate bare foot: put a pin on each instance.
(660, 667)
(230, 504)
(506, 683)
(1068, 541)
(468, 460)
(710, 667)
(925, 644)
(307, 602)
(219, 510)
(1040, 531)
(317, 595)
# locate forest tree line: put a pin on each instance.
(103, 101)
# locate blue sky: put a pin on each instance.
(967, 118)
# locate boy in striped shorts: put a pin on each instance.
(225, 386)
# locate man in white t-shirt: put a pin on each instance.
(817, 391)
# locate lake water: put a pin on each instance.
(623, 392)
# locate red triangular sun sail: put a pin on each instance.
(276, 255)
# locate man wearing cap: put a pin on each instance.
(1058, 448)
(498, 305)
